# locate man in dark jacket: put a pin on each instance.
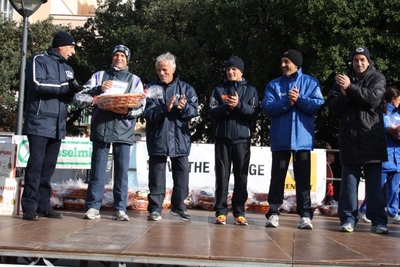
(168, 114)
(112, 127)
(357, 100)
(233, 106)
(50, 87)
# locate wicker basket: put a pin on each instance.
(107, 102)
(76, 193)
(74, 205)
(262, 208)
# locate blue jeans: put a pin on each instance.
(392, 180)
(95, 193)
(348, 198)
(39, 170)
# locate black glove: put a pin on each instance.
(74, 86)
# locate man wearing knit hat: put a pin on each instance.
(357, 99)
(291, 102)
(50, 86)
(114, 129)
(233, 106)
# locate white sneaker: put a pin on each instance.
(120, 215)
(305, 223)
(273, 221)
(395, 219)
(362, 217)
(92, 214)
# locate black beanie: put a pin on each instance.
(361, 51)
(62, 39)
(236, 62)
(294, 56)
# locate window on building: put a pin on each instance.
(6, 9)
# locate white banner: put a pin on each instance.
(201, 163)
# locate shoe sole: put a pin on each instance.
(176, 214)
(238, 223)
(217, 222)
(343, 230)
(91, 218)
(121, 219)
(380, 232)
(305, 227)
(154, 219)
(271, 225)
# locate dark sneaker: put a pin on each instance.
(154, 216)
(30, 215)
(50, 214)
(183, 215)
(380, 229)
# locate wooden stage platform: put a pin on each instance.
(200, 242)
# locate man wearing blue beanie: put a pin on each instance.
(233, 106)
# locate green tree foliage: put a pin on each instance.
(40, 36)
(204, 33)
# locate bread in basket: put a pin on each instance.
(110, 102)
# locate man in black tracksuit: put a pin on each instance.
(233, 106)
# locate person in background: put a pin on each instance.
(112, 128)
(362, 212)
(167, 135)
(391, 168)
(357, 98)
(233, 106)
(291, 102)
(50, 87)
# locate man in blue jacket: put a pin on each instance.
(291, 102)
(233, 106)
(50, 87)
(167, 135)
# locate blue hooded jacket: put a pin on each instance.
(392, 118)
(292, 127)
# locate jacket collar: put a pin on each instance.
(51, 52)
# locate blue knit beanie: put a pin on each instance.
(236, 62)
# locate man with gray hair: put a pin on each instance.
(171, 104)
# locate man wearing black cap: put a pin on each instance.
(357, 99)
(233, 106)
(112, 128)
(50, 86)
(291, 102)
